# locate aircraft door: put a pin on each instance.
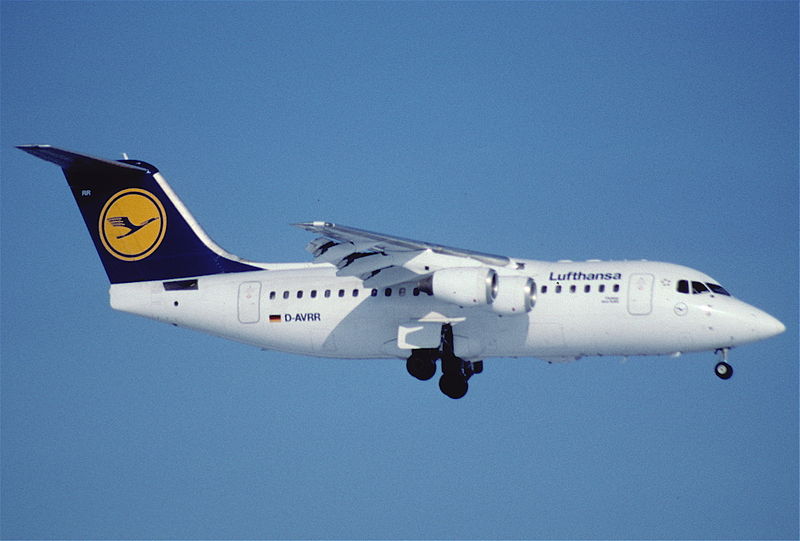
(640, 294)
(249, 301)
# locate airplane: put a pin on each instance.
(373, 296)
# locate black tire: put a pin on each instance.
(421, 366)
(723, 370)
(454, 386)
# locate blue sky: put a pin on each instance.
(662, 131)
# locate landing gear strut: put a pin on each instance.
(455, 370)
(723, 370)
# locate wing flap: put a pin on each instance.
(381, 242)
(384, 260)
(390, 276)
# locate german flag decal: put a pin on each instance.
(275, 318)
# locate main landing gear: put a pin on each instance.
(455, 370)
(422, 363)
(723, 370)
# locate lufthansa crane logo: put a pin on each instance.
(132, 224)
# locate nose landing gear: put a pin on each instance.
(723, 370)
(455, 370)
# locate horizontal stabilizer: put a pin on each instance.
(67, 159)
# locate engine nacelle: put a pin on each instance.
(465, 286)
(515, 295)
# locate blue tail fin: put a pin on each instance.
(140, 228)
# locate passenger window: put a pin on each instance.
(587, 288)
(388, 291)
(683, 286)
(300, 294)
(601, 288)
(401, 292)
(355, 293)
(616, 288)
(341, 293)
(327, 293)
(313, 293)
(544, 289)
(699, 287)
(558, 289)
(272, 295)
(374, 293)
(285, 294)
(572, 289)
(416, 292)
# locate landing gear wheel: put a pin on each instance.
(421, 366)
(453, 385)
(723, 370)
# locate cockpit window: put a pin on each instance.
(699, 287)
(716, 288)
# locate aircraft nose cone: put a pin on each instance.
(767, 326)
(776, 327)
(742, 323)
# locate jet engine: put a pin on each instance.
(465, 286)
(515, 295)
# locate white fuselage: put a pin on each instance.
(582, 309)
(372, 295)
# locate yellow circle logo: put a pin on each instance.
(132, 224)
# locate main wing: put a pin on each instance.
(383, 260)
